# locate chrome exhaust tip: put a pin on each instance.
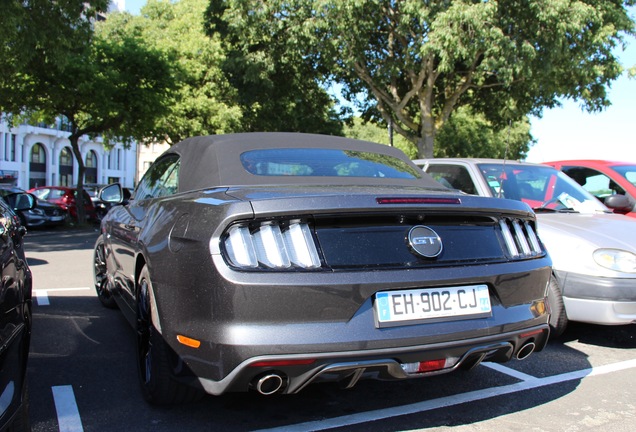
(269, 384)
(525, 351)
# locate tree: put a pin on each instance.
(37, 34)
(115, 88)
(279, 88)
(465, 134)
(469, 134)
(369, 131)
(205, 102)
(415, 63)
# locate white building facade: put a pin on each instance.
(41, 155)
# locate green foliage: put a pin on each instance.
(368, 131)
(36, 36)
(416, 62)
(469, 134)
(116, 88)
(466, 134)
(205, 101)
(279, 88)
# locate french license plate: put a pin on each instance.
(416, 305)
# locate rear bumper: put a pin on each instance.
(329, 318)
(388, 364)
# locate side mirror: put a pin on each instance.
(21, 201)
(112, 193)
(619, 203)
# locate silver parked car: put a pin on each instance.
(270, 261)
(593, 250)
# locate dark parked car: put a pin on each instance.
(43, 214)
(15, 315)
(269, 261)
(65, 197)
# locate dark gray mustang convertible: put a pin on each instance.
(270, 261)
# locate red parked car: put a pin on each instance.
(65, 198)
(604, 179)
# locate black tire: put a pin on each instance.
(100, 276)
(558, 316)
(153, 355)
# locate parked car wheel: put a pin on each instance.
(100, 276)
(153, 357)
(558, 316)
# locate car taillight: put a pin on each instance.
(272, 245)
(520, 238)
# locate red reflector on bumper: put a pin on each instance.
(431, 365)
(531, 333)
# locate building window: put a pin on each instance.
(66, 167)
(9, 147)
(38, 155)
(114, 159)
(66, 158)
(90, 173)
(91, 160)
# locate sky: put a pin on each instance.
(568, 132)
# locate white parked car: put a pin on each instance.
(593, 250)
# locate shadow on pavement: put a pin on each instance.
(60, 240)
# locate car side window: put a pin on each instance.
(162, 179)
(453, 176)
(593, 181)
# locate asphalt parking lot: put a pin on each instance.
(82, 375)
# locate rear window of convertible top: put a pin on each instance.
(311, 162)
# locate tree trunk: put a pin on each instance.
(79, 199)
(426, 141)
(425, 147)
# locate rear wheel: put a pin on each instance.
(153, 355)
(558, 316)
(100, 275)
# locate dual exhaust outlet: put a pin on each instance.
(527, 349)
(269, 384)
(274, 382)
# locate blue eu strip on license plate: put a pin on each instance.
(417, 305)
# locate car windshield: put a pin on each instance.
(49, 194)
(325, 162)
(541, 187)
(627, 171)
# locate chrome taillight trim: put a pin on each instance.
(278, 245)
(520, 238)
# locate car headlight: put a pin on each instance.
(272, 245)
(616, 259)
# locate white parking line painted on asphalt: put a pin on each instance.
(448, 401)
(509, 371)
(42, 295)
(68, 417)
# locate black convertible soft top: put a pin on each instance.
(224, 160)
